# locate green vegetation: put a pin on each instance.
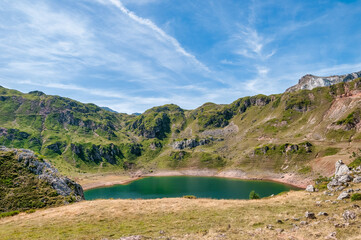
(253, 195)
(331, 151)
(84, 138)
(9, 214)
(305, 170)
(355, 163)
(356, 197)
(321, 182)
(21, 190)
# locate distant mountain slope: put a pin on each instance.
(109, 109)
(310, 82)
(294, 132)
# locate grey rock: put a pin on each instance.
(302, 223)
(135, 237)
(349, 215)
(310, 81)
(341, 168)
(322, 214)
(270, 227)
(357, 179)
(63, 185)
(310, 188)
(310, 215)
(345, 178)
(190, 143)
(343, 195)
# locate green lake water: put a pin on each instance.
(179, 186)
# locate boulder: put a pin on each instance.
(343, 195)
(345, 178)
(310, 188)
(349, 215)
(357, 179)
(310, 215)
(341, 168)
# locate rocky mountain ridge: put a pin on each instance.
(310, 82)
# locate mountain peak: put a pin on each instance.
(310, 81)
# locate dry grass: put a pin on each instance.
(185, 219)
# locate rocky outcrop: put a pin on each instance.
(45, 171)
(341, 169)
(190, 143)
(96, 153)
(310, 81)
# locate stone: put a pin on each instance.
(322, 214)
(310, 215)
(270, 227)
(349, 215)
(302, 223)
(279, 230)
(310, 188)
(135, 237)
(341, 168)
(345, 178)
(357, 179)
(343, 195)
(279, 221)
(331, 236)
(296, 219)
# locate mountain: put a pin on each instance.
(310, 81)
(109, 109)
(297, 132)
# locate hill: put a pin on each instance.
(28, 182)
(298, 132)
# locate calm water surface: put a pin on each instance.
(178, 186)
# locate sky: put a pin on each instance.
(131, 55)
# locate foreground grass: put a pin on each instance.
(186, 219)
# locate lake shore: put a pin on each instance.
(107, 180)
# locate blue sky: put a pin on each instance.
(131, 55)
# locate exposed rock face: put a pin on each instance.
(341, 178)
(190, 143)
(310, 188)
(63, 185)
(341, 168)
(343, 195)
(310, 82)
(349, 215)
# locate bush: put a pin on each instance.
(190, 197)
(356, 197)
(253, 195)
(8, 214)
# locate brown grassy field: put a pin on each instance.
(180, 218)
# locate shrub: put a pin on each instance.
(190, 197)
(355, 163)
(356, 197)
(253, 195)
(8, 214)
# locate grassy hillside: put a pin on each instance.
(22, 190)
(278, 133)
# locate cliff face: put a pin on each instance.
(310, 82)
